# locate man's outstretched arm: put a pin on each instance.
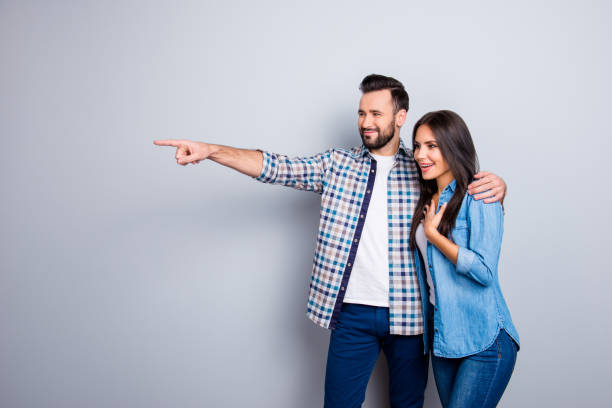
(301, 173)
(249, 162)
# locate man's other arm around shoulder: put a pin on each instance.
(489, 187)
(249, 162)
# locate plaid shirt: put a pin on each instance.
(345, 178)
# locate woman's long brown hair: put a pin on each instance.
(455, 143)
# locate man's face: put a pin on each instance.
(376, 119)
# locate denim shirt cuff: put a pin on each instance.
(268, 167)
(465, 258)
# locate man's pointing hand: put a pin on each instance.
(187, 151)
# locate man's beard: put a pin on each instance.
(382, 139)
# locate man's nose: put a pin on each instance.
(367, 121)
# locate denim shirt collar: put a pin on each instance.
(448, 191)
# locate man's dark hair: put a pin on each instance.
(374, 82)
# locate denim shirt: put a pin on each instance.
(470, 309)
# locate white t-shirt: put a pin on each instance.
(369, 281)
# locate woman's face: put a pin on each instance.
(428, 155)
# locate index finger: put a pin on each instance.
(170, 142)
(481, 174)
(480, 182)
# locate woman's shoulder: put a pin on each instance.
(472, 206)
(469, 199)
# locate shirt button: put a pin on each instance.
(373, 170)
(436, 330)
(361, 216)
(369, 191)
(356, 240)
(342, 288)
(349, 264)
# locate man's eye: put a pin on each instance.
(377, 114)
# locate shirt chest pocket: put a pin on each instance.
(461, 233)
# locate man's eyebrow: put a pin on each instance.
(371, 111)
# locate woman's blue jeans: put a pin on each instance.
(479, 380)
(361, 332)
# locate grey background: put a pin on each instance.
(129, 281)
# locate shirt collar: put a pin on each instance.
(452, 186)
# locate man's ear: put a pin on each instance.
(400, 117)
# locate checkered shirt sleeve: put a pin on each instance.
(301, 173)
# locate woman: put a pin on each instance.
(456, 247)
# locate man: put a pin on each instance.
(364, 285)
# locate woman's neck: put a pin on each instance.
(443, 181)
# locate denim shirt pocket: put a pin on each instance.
(460, 233)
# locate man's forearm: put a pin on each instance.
(249, 162)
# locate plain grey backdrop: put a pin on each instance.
(129, 281)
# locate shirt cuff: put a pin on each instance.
(465, 258)
(268, 168)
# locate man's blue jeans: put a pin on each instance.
(354, 347)
(479, 380)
